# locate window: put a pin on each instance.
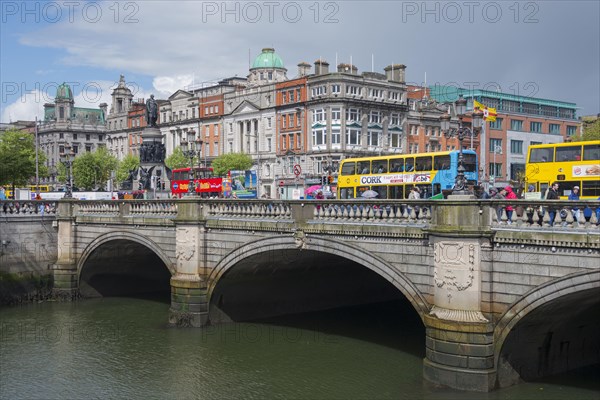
(269, 145)
(541, 155)
(61, 112)
(516, 147)
(348, 168)
(292, 96)
(496, 146)
(396, 140)
(352, 114)
(352, 90)
(555, 129)
(517, 171)
(364, 167)
(284, 121)
(496, 169)
(409, 164)
(336, 135)
(215, 149)
(571, 130)
(75, 149)
(87, 137)
(535, 126)
(99, 138)
(590, 188)
(335, 89)
(591, 152)
(88, 149)
(336, 114)
(319, 90)
(319, 136)
(516, 125)
(375, 93)
(319, 115)
(532, 143)
(423, 164)
(441, 162)
(373, 138)
(568, 153)
(352, 136)
(375, 117)
(269, 122)
(394, 119)
(394, 95)
(62, 135)
(497, 124)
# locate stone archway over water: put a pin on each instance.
(122, 267)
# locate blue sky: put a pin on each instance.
(548, 49)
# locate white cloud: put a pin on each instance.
(167, 85)
(26, 108)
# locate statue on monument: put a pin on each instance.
(151, 112)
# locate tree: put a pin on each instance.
(591, 129)
(130, 162)
(17, 158)
(178, 160)
(92, 170)
(231, 161)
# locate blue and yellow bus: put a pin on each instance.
(393, 176)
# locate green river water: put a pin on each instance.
(121, 348)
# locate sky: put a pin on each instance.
(545, 49)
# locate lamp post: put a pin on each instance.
(461, 133)
(37, 164)
(191, 148)
(497, 150)
(67, 158)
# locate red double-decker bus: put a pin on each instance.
(204, 184)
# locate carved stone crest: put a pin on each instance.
(186, 245)
(300, 240)
(456, 279)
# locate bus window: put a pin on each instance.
(437, 189)
(441, 162)
(397, 165)
(569, 153)
(382, 190)
(397, 192)
(470, 162)
(541, 155)
(590, 188)
(348, 168)
(425, 191)
(591, 152)
(423, 164)
(380, 167)
(346, 193)
(409, 164)
(360, 190)
(364, 167)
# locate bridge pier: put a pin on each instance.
(189, 289)
(459, 355)
(189, 304)
(66, 285)
(459, 338)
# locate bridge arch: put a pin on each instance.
(118, 240)
(329, 246)
(579, 288)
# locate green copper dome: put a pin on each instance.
(64, 92)
(268, 59)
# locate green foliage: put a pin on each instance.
(127, 164)
(231, 161)
(591, 130)
(178, 160)
(17, 158)
(91, 171)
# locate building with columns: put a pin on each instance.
(84, 129)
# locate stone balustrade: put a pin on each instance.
(18, 208)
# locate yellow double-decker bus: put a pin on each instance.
(393, 176)
(569, 164)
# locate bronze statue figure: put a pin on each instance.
(151, 112)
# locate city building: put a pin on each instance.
(84, 129)
(521, 121)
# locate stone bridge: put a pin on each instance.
(500, 299)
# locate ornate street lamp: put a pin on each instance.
(67, 158)
(191, 149)
(461, 133)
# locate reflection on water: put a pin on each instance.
(122, 348)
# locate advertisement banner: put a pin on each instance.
(243, 184)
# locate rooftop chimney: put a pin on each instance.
(303, 68)
(395, 72)
(321, 67)
(347, 68)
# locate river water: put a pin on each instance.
(121, 348)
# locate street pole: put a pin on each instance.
(37, 167)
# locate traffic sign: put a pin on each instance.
(297, 169)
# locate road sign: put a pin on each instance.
(297, 169)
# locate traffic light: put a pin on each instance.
(323, 180)
(330, 179)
